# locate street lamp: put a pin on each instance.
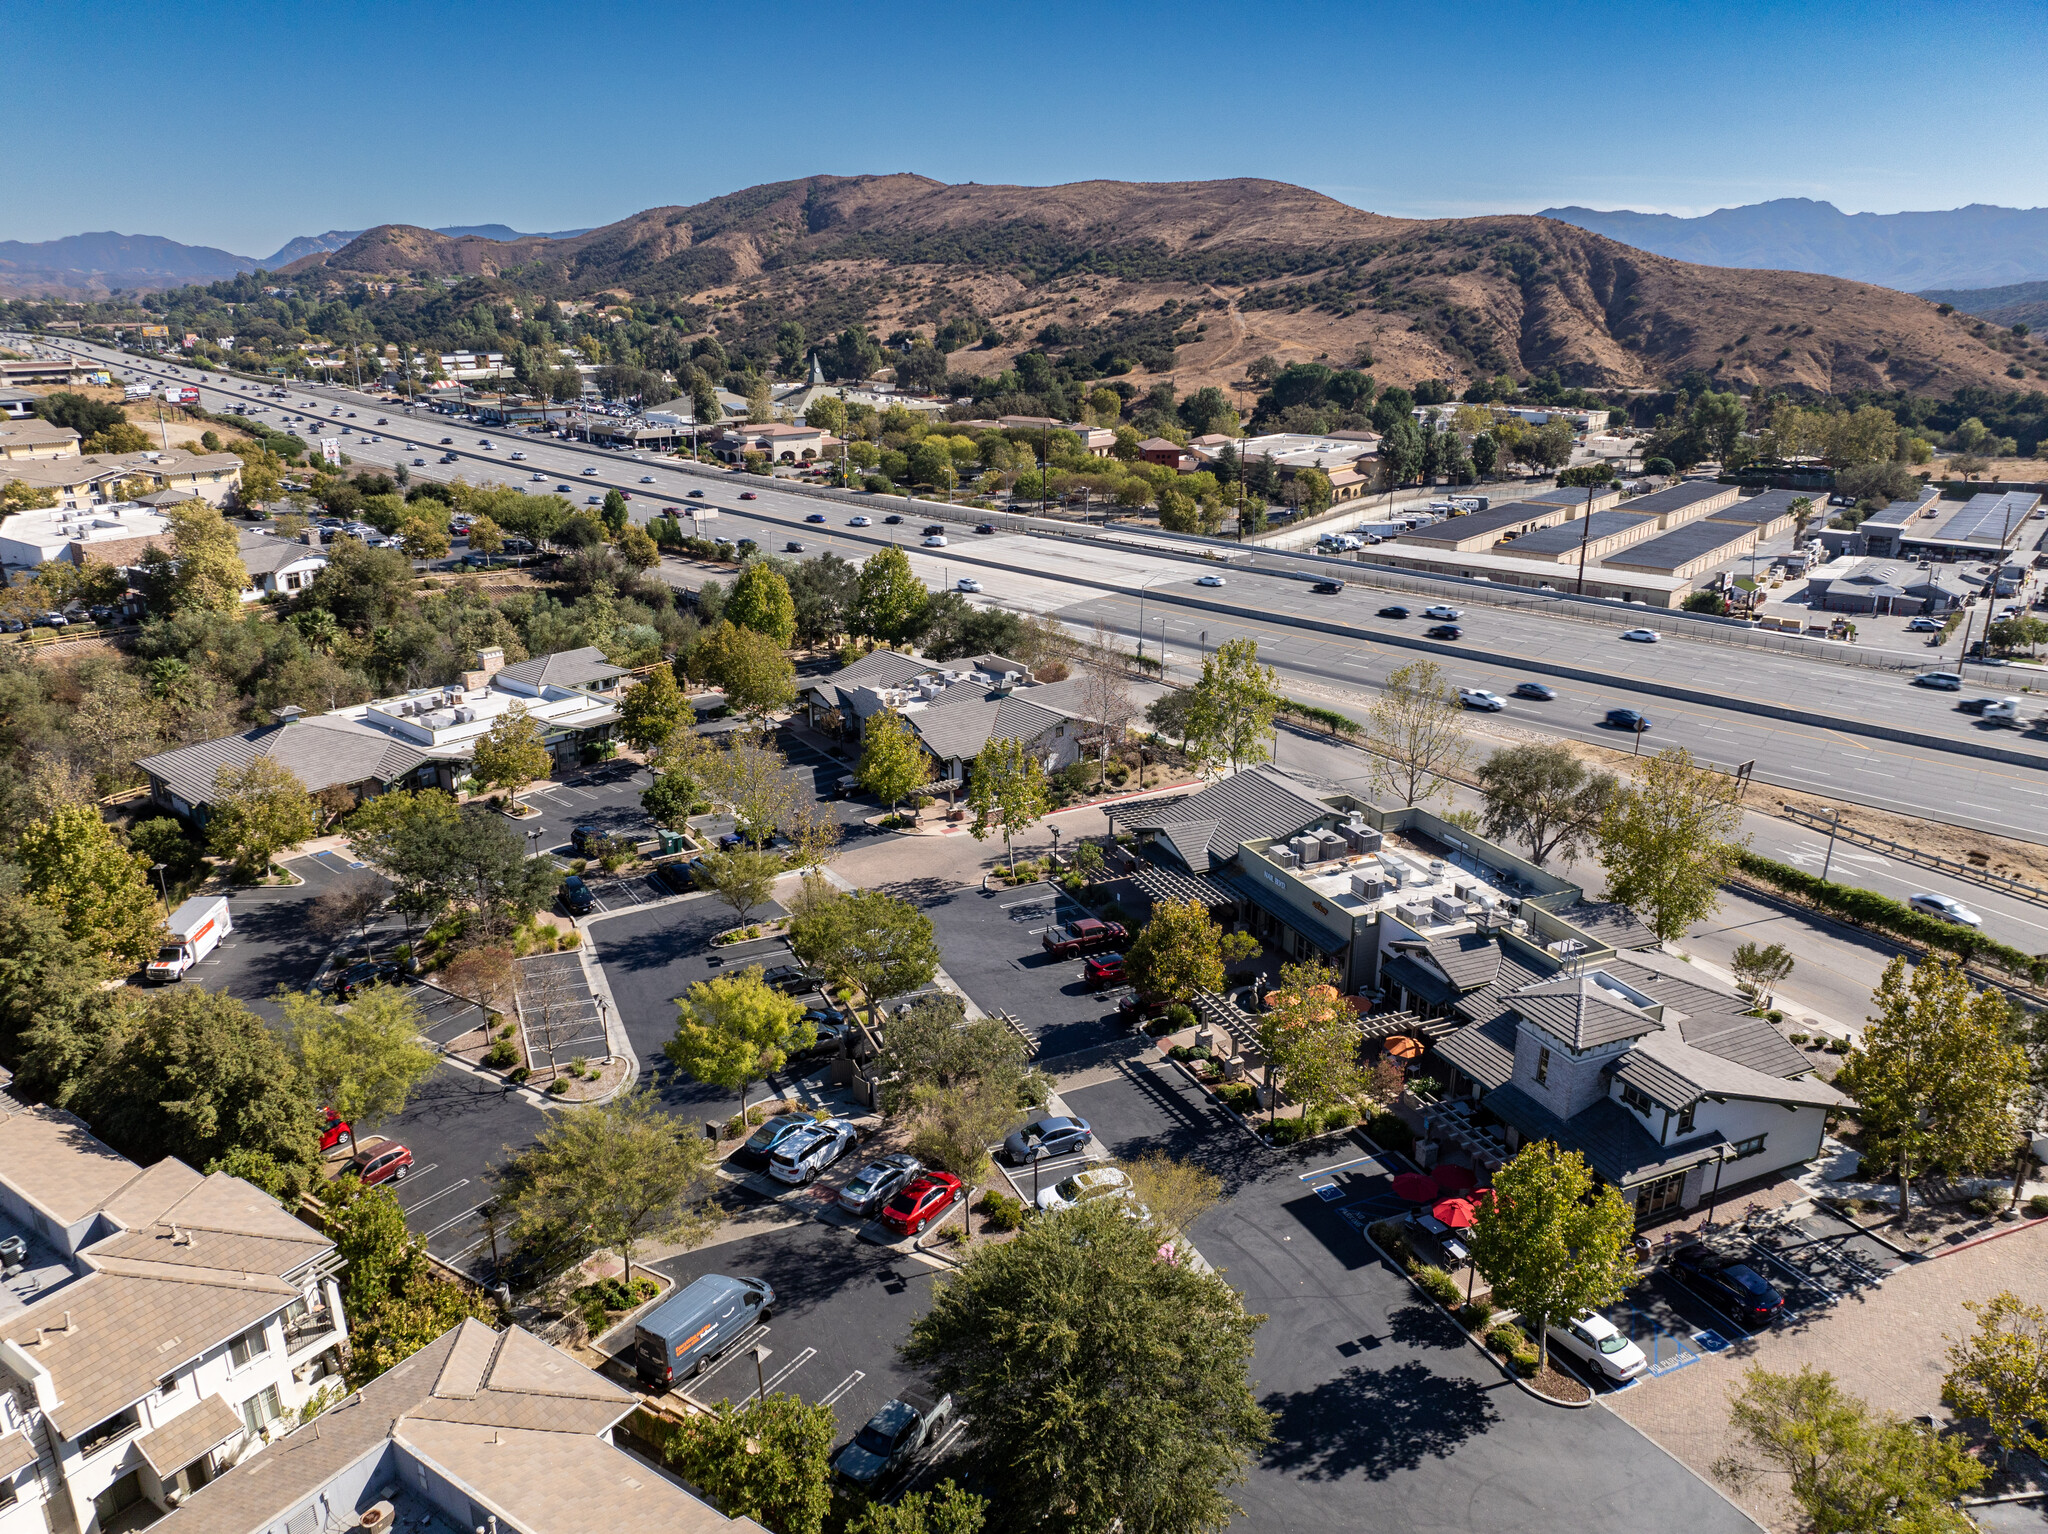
(604, 1022)
(1055, 845)
(1155, 576)
(761, 1356)
(158, 870)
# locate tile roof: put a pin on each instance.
(1713, 1020)
(53, 1160)
(1580, 1011)
(1612, 1139)
(1608, 922)
(1485, 1051)
(190, 1434)
(1257, 803)
(1676, 1073)
(16, 1454)
(321, 750)
(962, 729)
(1471, 959)
(1412, 975)
(877, 669)
(564, 668)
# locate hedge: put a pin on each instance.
(1867, 908)
(1327, 718)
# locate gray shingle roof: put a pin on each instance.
(565, 668)
(263, 553)
(1582, 1012)
(322, 751)
(1769, 506)
(1612, 1140)
(1485, 1051)
(1247, 806)
(1713, 1020)
(1471, 959)
(1418, 979)
(961, 730)
(878, 669)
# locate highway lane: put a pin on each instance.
(1341, 670)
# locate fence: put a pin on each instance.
(1984, 878)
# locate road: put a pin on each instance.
(1342, 667)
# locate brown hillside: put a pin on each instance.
(1273, 268)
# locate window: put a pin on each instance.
(1685, 1120)
(1636, 1098)
(1753, 1146)
(261, 1409)
(168, 1385)
(250, 1345)
(10, 1493)
(1542, 1066)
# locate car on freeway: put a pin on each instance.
(878, 1182)
(450, 458)
(1101, 969)
(791, 978)
(1536, 690)
(1051, 1135)
(1444, 631)
(892, 1438)
(484, 443)
(576, 896)
(383, 420)
(1327, 588)
(1443, 611)
(1628, 719)
(1085, 1187)
(1732, 1286)
(802, 1156)
(593, 500)
(565, 490)
(1065, 941)
(1394, 612)
(920, 1201)
(518, 457)
(1480, 698)
(447, 442)
(696, 495)
(1925, 626)
(590, 470)
(1941, 681)
(860, 521)
(1641, 636)
(793, 546)
(540, 474)
(1597, 1343)
(984, 527)
(933, 529)
(967, 583)
(369, 972)
(934, 541)
(892, 520)
(816, 516)
(381, 1163)
(762, 1142)
(748, 495)
(1945, 908)
(1208, 580)
(1974, 705)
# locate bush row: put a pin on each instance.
(1323, 718)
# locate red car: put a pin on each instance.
(1100, 969)
(333, 1130)
(382, 1163)
(922, 1202)
(1079, 937)
(748, 495)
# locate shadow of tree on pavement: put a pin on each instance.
(1375, 1422)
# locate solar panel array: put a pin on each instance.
(1989, 518)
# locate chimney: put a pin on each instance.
(69, 1325)
(490, 661)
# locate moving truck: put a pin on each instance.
(196, 929)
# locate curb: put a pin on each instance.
(1996, 1235)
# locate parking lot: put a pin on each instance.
(563, 1018)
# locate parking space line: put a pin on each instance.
(788, 1369)
(453, 1187)
(746, 1340)
(450, 1224)
(1340, 1166)
(843, 1386)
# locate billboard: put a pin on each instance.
(330, 449)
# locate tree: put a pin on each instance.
(75, 866)
(1667, 841)
(669, 799)
(734, 1030)
(760, 601)
(613, 513)
(768, 1460)
(871, 941)
(1851, 1470)
(753, 777)
(49, 981)
(744, 877)
(396, 1302)
(1006, 782)
(1999, 1374)
(1179, 952)
(653, 710)
(946, 1509)
(1101, 1384)
(1231, 715)
(890, 602)
(1760, 969)
(1414, 732)
(750, 668)
(362, 1060)
(405, 836)
(958, 1083)
(612, 1176)
(1310, 1039)
(341, 909)
(485, 536)
(482, 973)
(1106, 700)
(512, 753)
(1549, 1243)
(892, 763)
(203, 572)
(259, 809)
(18, 495)
(1936, 1076)
(1544, 797)
(1177, 1193)
(638, 549)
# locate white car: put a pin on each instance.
(860, 521)
(1594, 1341)
(1945, 908)
(1085, 1187)
(647, 479)
(967, 583)
(1641, 636)
(1443, 612)
(803, 1155)
(1208, 580)
(591, 470)
(538, 474)
(518, 457)
(935, 541)
(1480, 698)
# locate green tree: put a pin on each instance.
(866, 939)
(1310, 1039)
(757, 679)
(653, 710)
(890, 602)
(1174, 1193)
(957, 1083)
(638, 548)
(512, 753)
(769, 1460)
(395, 1300)
(1179, 952)
(259, 809)
(760, 601)
(1936, 1075)
(1231, 716)
(49, 982)
(1667, 841)
(669, 799)
(743, 877)
(404, 835)
(614, 513)
(1101, 1384)
(1006, 783)
(1851, 1470)
(1544, 797)
(945, 1509)
(203, 570)
(1760, 968)
(892, 763)
(1415, 734)
(735, 1030)
(74, 865)
(613, 1176)
(1999, 1373)
(1550, 1243)
(362, 1060)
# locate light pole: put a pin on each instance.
(1055, 845)
(158, 870)
(761, 1356)
(1829, 862)
(1155, 576)
(604, 1022)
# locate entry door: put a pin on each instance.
(1655, 1197)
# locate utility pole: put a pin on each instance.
(1585, 536)
(1829, 862)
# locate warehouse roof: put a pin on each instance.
(1681, 546)
(1568, 535)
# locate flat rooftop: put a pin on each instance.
(1681, 546)
(1680, 497)
(1769, 507)
(1566, 536)
(1491, 523)
(1418, 882)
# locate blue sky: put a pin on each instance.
(242, 125)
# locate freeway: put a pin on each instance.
(1339, 660)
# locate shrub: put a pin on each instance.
(502, 1056)
(1237, 1096)
(2037, 1206)
(1475, 1314)
(1340, 1117)
(999, 1211)
(558, 1087)
(1180, 1015)
(1838, 1046)
(519, 1072)
(1286, 1131)
(1312, 1123)
(1795, 1038)
(1776, 1015)
(1391, 1132)
(1438, 1285)
(1988, 1204)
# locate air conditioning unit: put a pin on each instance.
(1284, 856)
(1334, 844)
(1368, 886)
(1307, 849)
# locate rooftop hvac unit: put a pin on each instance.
(1334, 844)
(1436, 868)
(1284, 856)
(1462, 889)
(1308, 849)
(1447, 909)
(465, 715)
(1368, 886)
(1414, 913)
(441, 719)
(1364, 838)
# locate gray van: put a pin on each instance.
(689, 1329)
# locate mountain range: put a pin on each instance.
(1979, 246)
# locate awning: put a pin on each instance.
(1329, 943)
(187, 1436)
(1164, 884)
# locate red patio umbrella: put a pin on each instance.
(1415, 1187)
(1458, 1213)
(1453, 1178)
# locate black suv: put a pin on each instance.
(1734, 1287)
(369, 972)
(1327, 588)
(791, 979)
(935, 529)
(576, 896)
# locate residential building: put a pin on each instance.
(158, 1325)
(92, 480)
(18, 403)
(1881, 585)
(114, 533)
(33, 437)
(477, 1430)
(277, 566)
(1166, 453)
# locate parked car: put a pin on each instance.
(1595, 1342)
(333, 1129)
(588, 841)
(1641, 636)
(687, 1330)
(1941, 681)
(1100, 969)
(1945, 908)
(1480, 698)
(920, 1201)
(1396, 611)
(1536, 690)
(381, 1163)
(762, 1142)
(791, 978)
(1097, 1182)
(1732, 1286)
(1444, 631)
(800, 1157)
(1044, 1137)
(892, 1438)
(1083, 936)
(369, 972)
(678, 878)
(576, 896)
(878, 1182)
(1925, 626)
(1628, 719)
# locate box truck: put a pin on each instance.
(196, 929)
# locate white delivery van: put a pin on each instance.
(196, 929)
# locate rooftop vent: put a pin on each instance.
(287, 714)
